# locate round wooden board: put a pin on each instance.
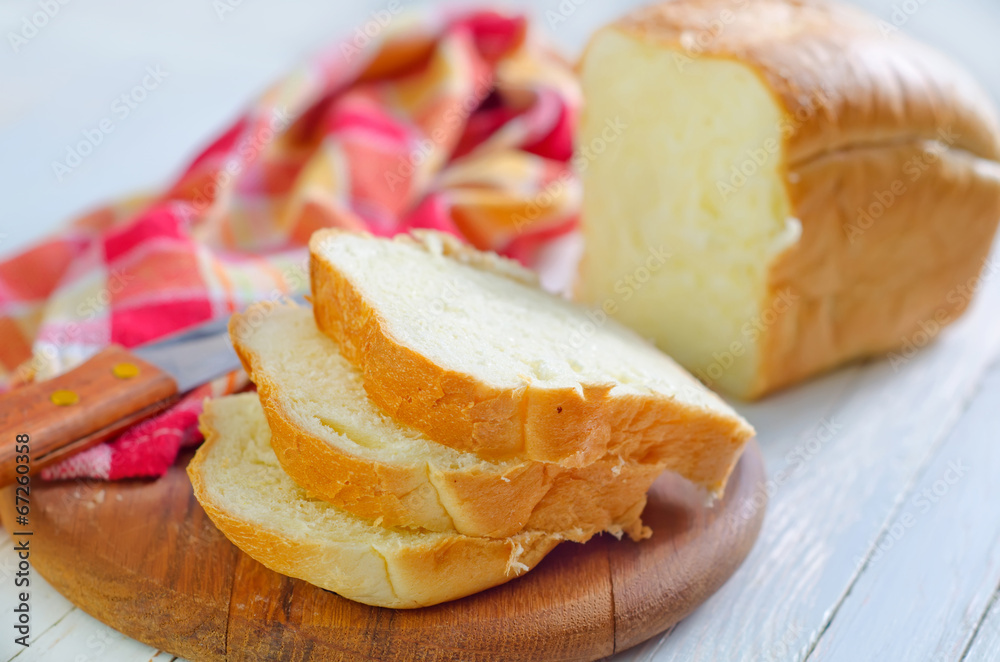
(143, 557)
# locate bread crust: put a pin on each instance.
(861, 101)
(834, 70)
(399, 576)
(565, 426)
(481, 500)
(879, 284)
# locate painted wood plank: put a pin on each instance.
(80, 638)
(986, 644)
(932, 575)
(834, 488)
(47, 606)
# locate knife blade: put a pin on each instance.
(195, 356)
(105, 394)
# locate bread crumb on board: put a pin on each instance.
(514, 566)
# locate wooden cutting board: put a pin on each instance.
(143, 557)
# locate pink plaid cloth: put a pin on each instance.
(458, 122)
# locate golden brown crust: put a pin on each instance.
(564, 426)
(868, 111)
(483, 500)
(843, 78)
(398, 576)
(869, 277)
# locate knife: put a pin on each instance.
(100, 398)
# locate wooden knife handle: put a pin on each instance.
(81, 405)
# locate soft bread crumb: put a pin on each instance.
(699, 296)
(617, 469)
(311, 389)
(540, 363)
(513, 564)
(439, 244)
(238, 480)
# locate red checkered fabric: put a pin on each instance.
(458, 122)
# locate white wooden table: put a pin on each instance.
(882, 537)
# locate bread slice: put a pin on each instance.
(240, 484)
(333, 441)
(464, 346)
(827, 190)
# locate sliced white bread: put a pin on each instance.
(331, 439)
(242, 487)
(464, 346)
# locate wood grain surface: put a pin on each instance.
(143, 557)
(941, 517)
(101, 397)
(986, 646)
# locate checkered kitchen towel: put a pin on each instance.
(458, 122)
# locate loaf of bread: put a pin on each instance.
(465, 347)
(335, 443)
(248, 496)
(774, 187)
